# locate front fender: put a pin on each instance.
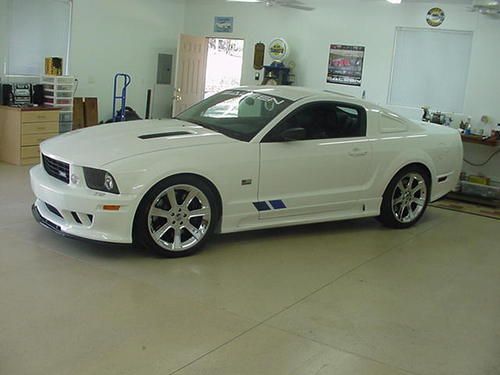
(226, 166)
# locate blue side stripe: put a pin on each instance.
(261, 206)
(278, 204)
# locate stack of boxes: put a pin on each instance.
(58, 92)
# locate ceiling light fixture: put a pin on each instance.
(394, 1)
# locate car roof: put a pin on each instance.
(287, 92)
(295, 93)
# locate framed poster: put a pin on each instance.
(223, 24)
(345, 65)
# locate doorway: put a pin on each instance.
(224, 65)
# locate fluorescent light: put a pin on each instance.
(394, 1)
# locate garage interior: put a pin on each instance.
(344, 297)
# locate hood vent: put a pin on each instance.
(163, 135)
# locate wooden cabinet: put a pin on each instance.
(22, 130)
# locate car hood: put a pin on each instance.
(100, 145)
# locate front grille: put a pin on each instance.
(56, 168)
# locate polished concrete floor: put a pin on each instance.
(337, 298)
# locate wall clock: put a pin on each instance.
(435, 17)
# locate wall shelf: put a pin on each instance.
(491, 141)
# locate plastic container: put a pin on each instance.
(484, 191)
(59, 94)
(58, 79)
(55, 102)
(58, 88)
(65, 116)
(65, 127)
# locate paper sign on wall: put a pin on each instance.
(223, 24)
(345, 65)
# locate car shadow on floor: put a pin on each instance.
(221, 242)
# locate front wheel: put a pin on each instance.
(177, 216)
(406, 198)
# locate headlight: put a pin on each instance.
(98, 179)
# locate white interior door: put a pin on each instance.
(190, 73)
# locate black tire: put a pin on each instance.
(388, 217)
(144, 223)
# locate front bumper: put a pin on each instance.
(77, 211)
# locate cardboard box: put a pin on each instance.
(85, 112)
(54, 66)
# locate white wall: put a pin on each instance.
(360, 22)
(370, 23)
(3, 33)
(110, 36)
(123, 36)
(118, 36)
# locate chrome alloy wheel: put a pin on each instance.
(409, 198)
(179, 217)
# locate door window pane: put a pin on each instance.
(324, 121)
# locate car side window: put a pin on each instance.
(323, 121)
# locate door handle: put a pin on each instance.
(357, 152)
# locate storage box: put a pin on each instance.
(479, 180)
(485, 191)
(66, 116)
(65, 126)
(67, 87)
(54, 66)
(59, 94)
(69, 80)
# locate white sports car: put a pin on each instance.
(247, 158)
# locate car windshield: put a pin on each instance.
(238, 114)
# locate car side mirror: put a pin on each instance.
(293, 134)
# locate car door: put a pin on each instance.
(323, 172)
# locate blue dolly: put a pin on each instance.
(120, 116)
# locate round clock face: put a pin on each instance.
(435, 17)
(278, 49)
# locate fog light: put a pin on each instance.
(75, 179)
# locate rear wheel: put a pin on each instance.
(406, 198)
(177, 216)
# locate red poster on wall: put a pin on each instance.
(345, 65)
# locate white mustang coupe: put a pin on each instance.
(248, 158)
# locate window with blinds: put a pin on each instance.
(37, 29)
(430, 67)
